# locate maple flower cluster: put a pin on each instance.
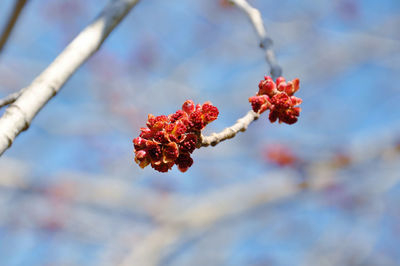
(169, 140)
(278, 98)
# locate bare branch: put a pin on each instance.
(265, 41)
(10, 98)
(19, 5)
(276, 71)
(230, 132)
(234, 200)
(19, 115)
(209, 210)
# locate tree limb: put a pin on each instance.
(20, 114)
(10, 98)
(230, 132)
(209, 210)
(276, 71)
(225, 203)
(265, 41)
(19, 5)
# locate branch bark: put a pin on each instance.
(20, 114)
(230, 132)
(266, 44)
(10, 98)
(19, 5)
(265, 41)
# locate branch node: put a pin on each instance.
(23, 114)
(266, 43)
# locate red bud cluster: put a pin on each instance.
(278, 98)
(169, 140)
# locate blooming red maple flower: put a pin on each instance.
(169, 140)
(278, 98)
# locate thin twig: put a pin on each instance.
(235, 200)
(230, 132)
(276, 71)
(19, 5)
(20, 114)
(10, 98)
(265, 41)
(207, 211)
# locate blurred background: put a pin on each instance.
(323, 191)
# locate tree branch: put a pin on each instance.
(265, 41)
(230, 132)
(276, 71)
(19, 115)
(225, 203)
(19, 5)
(10, 98)
(207, 211)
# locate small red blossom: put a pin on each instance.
(188, 107)
(184, 161)
(267, 87)
(278, 98)
(189, 143)
(196, 121)
(169, 140)
(179, 115)
(209, 112)
(259, 103)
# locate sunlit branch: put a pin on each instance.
(20, 114)
(276, 71)
(10, 98)
(265, 41)
(230, 132)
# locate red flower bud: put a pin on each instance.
(259, 103)
(267, 87)
(279, 80)
(189, 143)
(188, 106)
(184, 161)
(179, 115)
(196, 120)
(210, 112)
(282, 86)
(142, 159)
(145, 133)
(163, 167)
(139, 142)
(171, 152)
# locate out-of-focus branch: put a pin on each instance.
(225, 203)
(209, 210)
(10, 98)
(265, 41)
(276, 71)
(230, 132)
(20, 114)
(19, 5)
